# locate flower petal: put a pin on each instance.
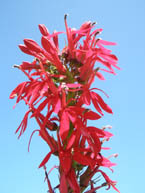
(45, 160)
(101, 102)
(44, 31)
(91, 115)
(64, 125)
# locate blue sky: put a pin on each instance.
(123, 22)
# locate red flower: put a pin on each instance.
(109, 181)
(57, 90)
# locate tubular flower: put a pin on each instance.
(59, 96)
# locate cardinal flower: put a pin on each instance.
(59, 97)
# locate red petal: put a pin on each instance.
(64, 125)
(23, 124)
(84, 160)
(47, 45)
(96, 143)
(87, 98)
(109, 181)
(29, 66)
(44, 31)
(72, 85)
(17, 90)
(31, 138)
(55, 39)
(100, 76)
(103, 105)
(40, 107)
(95, 103)
(24, 49)
(69, 38)
(53, 55)
(32, 45)
(100, 133)
(107, 43)
(91, 115)
(45, 160)
(107, 163)
(57, 105)
(71, 140)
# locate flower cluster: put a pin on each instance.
(58, 94)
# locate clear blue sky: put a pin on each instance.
(123, 22)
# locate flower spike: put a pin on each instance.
(60, 97)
